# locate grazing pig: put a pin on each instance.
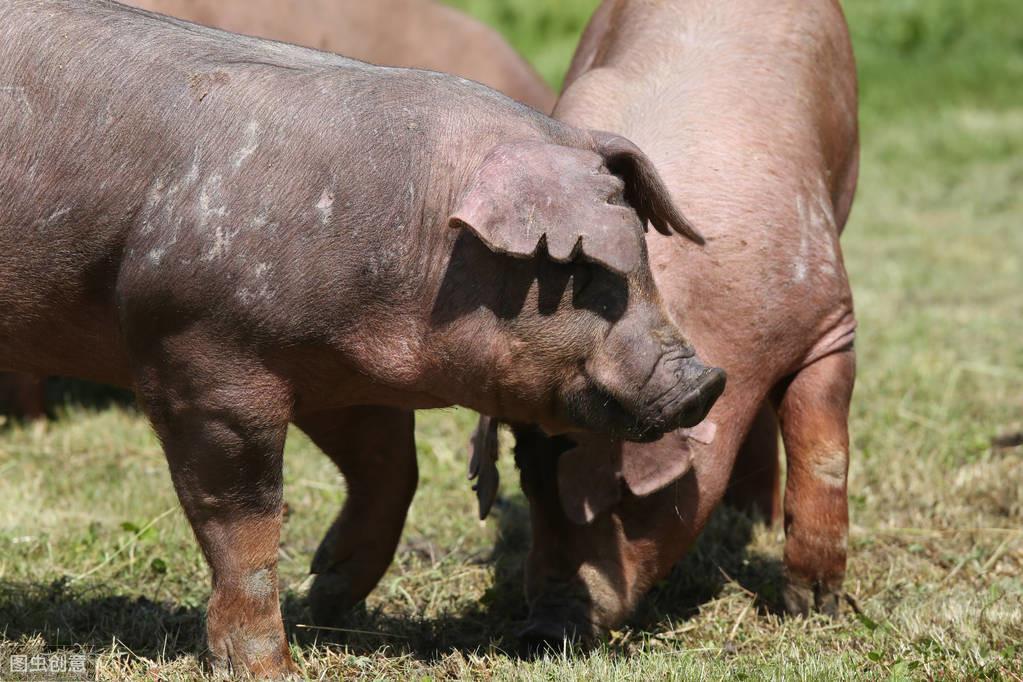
(421, 34)
(251, 233)
(748, 110)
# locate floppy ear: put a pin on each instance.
(649, 467)
(590, 474)
(527, 193)
(644, 188)
(483, 463)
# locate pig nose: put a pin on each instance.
(700, 388)
(544, 634)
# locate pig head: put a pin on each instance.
(638, 377)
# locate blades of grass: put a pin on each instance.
(124, 546)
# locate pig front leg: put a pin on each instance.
(374, 447)
(814, 416)
(223, 421)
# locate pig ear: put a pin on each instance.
(590, 475)
(483, 463)
(644, 188)
(587, 481)
(527, 193)
(649, 467)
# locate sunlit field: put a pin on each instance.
(96, 556)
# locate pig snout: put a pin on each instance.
(692, 389)
(581, 609)
(641, 389)
(563, 612)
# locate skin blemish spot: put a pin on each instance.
(57, 215)
(256, 648)
(259, 585)
(17, 94)
(221, 242)
(800, 264)
(193, 171)
(201, 84)
(251, 144)
(210, 193)
(830, 468)
(52, 219)
(826, 541)
(325, 206)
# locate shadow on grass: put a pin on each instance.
(88, 616)
(721, 555)
(489, 625)
(64, 615)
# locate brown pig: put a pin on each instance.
(410, 33)
(749, 111)
(252, 234)
(422, 34)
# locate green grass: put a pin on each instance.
(95, 554)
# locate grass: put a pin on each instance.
(95, 554)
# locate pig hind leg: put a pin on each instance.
(374, 447)
(814, 414)
(754, 485)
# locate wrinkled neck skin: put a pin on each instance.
(705, 88)
(282, 198)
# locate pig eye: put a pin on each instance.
(582, 277)
(600, 291)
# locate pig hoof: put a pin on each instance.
(798, 597)
(802, 596)
(827, 600)
(255, 657)
(330, 598)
